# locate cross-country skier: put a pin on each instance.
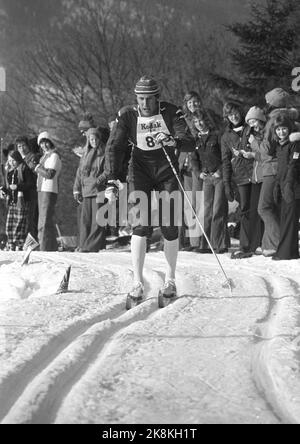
(148, 125)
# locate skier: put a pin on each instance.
(148, 125)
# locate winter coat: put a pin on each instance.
(126, 130)
(32, 159)
(90, 176)
(236, 168)
(288, 156)
(25, 180)
(268, 145)
(48, 171)
(207, 157)
(257, 175)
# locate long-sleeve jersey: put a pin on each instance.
(124, 137)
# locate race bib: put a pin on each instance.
(147, 128)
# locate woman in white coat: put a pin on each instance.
(48, 171)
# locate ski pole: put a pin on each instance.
(229, 281)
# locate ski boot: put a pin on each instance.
(167, 294)
(135, 296)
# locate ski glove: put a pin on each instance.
(229, 192)
(165, 139)
(288, 193)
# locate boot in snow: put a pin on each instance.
(135, 296)
(167, 293)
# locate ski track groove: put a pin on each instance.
(32, 386)
(279, 288)
(13, 385)
(26, 386)
(178, 305)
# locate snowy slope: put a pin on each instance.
(210, 357)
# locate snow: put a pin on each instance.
(209, 357)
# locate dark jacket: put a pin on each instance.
(32, 159)
(125, 131)
(207, 157)
(236, 168)
(25, 180)
(288, 156)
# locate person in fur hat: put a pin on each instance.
(20, 182)
(287, 187)
(278, 103)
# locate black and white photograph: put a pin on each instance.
(149, 215)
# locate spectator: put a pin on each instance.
(256, 120)
(190, 232)
(207, 165)
(278, 102)
(287, 188)
(11, 147)
(19, 183)
(48, 171)
(238, 168)
(191, 104)
(31, 159)
(90, 179)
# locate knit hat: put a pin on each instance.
(255, 113)
(278, 98)
(147, 85)
(16, 156)
(44, 135)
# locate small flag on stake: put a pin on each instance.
(64, 285)
(29, 245)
